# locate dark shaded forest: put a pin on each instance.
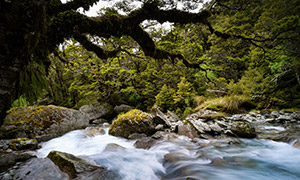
(232, 56)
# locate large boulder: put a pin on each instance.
(97, 112)
(134, 121)
(42, 122)
(36, 169)
(78, 168)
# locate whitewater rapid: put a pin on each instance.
(177, 157)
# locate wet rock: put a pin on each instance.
(123, 108)
(283, 118)
(98, 121)
(105, 125)
(174, 157)
(36, 169)
(137, 136)
(160, 134)
(7, 176)
(218, 162)
(134, 121)
(42, 121)
(78, 168)
(160, 118)
(216, 128)
(187, 130)
(96, 112)
(200, 126)
(92, 131)
(11, 158)
(275, 114)
(243, 129)
(113, 147)
(23, 143)
(296, 144)
(159, 127)
(145, 143)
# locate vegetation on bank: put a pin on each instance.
(253, 64)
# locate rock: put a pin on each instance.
(159, 127)
(92, 131)
(283, 118)
(7, 176)
(134, 121)
(275, 114)
(23, 143)
(78, 168)
(135, 136)
(36, 169)
(10, 158)
(216, 128)
(123, 108)
(42, 121)
(218, 162)
(200, 126)
(95, 112)
(296, 144)
(174, 157)
(187, 130)
(243, 129)
(160, 118)
(98, 121)
(113, 147)
(172, 116)
(105, 125)
(145, 143)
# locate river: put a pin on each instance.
(177, 157)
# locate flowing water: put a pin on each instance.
(177, 157)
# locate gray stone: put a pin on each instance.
(7, 176)
(216, 128)
(37, 169)
(218, 162)
(243, 129)
(159, 127)
(160, 118)
(283, 118)
(200, 126)
(187, 130)
(275, 114)
(123, 108)
(78, 168)
(42, 121)
(105, 125)
(145, 143)
(98, 111)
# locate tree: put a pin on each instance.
(32, 29)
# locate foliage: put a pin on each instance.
(246, 53)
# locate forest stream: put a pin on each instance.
(178, 157)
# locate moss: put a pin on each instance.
(41, 116)
(64, 164)
(214, 116)
(134, 121)
(21, 143)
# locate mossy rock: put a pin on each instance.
(134, 121)
(79, 168)
(23, 143)
(243, 129)
(70, 164)
(33, 122)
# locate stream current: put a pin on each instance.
(177, 157)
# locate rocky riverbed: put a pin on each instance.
(205, 145)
